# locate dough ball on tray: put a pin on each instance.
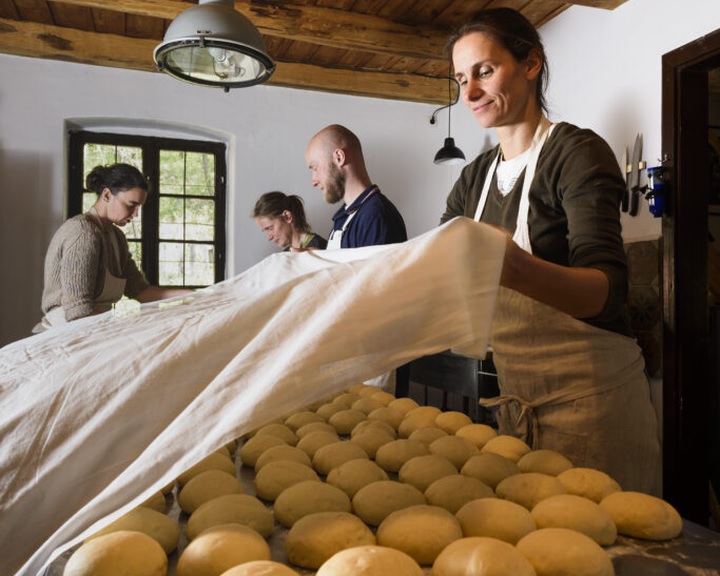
(277, 476)
(328, 409)
(220, 548)
(451, 421)
(490, 468)
(391, 456)
(366, 404)
(495, 518)
(314, 427)
(214, 461)
(278, 453)
(481, 556)
(253, 448)
(309, 497)
(354, 474)
(421, 471)
(315, 440)
(564, 552)
(588, 483)
(206, 486)
(478, 434)
(157, 525)
(547, 462)
(404, 405)
(456, 449)
(345, 420)
(333, 455)
(375, 501)
(299, 419)
(370, 561)
(260, 568)
(508, 446)
(421, 531)
(529, 488)
(386, 414)
(371, 439)
(125, 551)
(316, 537)
(453, 492)
(576, 513)
(640, 515)
(280, 430)
(371, 424)
(427, 435)
(232, 508)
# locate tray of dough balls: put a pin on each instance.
(366, 484)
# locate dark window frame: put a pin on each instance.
(151, 147)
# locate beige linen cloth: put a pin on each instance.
(99, 414)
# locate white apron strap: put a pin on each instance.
(521, 235)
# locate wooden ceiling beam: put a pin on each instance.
(313, 24)
(70, 45)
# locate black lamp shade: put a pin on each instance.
(449, 154)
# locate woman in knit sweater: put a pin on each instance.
(88, 265)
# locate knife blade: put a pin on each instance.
(634, 178)
(626, 193)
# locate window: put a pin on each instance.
(179, 238)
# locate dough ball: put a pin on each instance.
(345, 420)
(314, 427)
(251, 450)
(206, 486)
(391, 456)
(357, 388)
(564, 552)
(427, 435)
(431, 411)
(370, 561)
(128, 552)
(277, 453)
(588, 483)
(214, 461)
(366, 404)
(529, 488)
(157, 525)
(354, 474)
(313, 441)
(545, 462)
(387, 414)
(456, 449)
(371, 439)
(309, 497)
(282, 431)
(451, 421)
(404, 405)
(261, 568)
(481, 556)
(370, 424)
(316, 537)
(495, 518)
(299, 419)
(421, 471)
(421, 531)
(328, 409)
(156, 502)
(411, 423)
(384, 397)
(478, 434)
(346, 399)
(332, 455)
(453, 492)
(489, 468)
(375, 501)
(219, 548)
(508, 446)
(576, 513)
(231, 508)
(277, 476)
(640, 515)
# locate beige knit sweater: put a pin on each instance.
(75, 266)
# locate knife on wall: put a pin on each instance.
(626, 172)
(634, 177)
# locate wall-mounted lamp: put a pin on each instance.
(449, 153)
(212, 44)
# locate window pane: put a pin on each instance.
(172, 218)
(136, 251)
(200, 175)
(199, 266)
(200, 219)
(171, 263)
(172, 171)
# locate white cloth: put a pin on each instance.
(99, 414)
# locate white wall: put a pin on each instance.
(605, 74)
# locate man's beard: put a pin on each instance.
(335, 186)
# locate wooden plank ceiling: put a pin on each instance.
(379, 48)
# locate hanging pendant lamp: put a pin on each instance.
(212, 44)
(449, 154)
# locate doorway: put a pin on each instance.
(689, 397)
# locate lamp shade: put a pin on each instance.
(212, 44)
(449, 154)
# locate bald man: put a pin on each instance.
(367, 218)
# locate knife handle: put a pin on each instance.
(634, 203)
(625, 200)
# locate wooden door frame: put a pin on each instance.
(686, 385)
